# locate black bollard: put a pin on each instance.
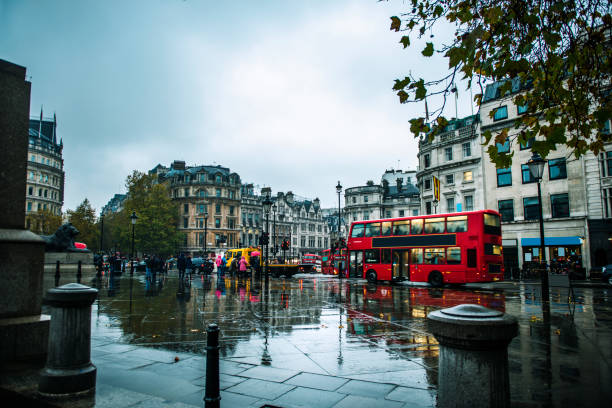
(132, 268)
(79, 273)
(57, 272)
(212, 396)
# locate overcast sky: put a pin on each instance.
(295, 95)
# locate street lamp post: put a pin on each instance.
(205, 233)
(536, 167)
(267, 203)
(274, 230)
(339, 190)
(133, 217)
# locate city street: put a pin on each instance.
(318, 341)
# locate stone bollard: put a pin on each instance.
(473, 362)
(69, 369)
(212, 396)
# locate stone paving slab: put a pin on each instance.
(261, 389)
(269, 373)
(308, 397)
(356, 401)
(417, 398)
(320, 382)
(366, 389)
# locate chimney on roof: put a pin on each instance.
(317, 202)
(289, 197)
(385, 186)
(399, 182)
(178, 165)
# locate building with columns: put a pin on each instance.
(251, 210)
(209, 204)
(45, 170)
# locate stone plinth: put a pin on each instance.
(69, 369)
(473, 362)
(69, 258)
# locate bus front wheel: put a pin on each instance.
(371, 276)
(435, 279)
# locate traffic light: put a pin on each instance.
(342, 243)
(285, 245)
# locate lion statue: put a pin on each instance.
(62, 240)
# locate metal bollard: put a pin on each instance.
(132, 268)
(57, 272)
(473, 362)
(212, 396)
(79, 273)
(69, 369)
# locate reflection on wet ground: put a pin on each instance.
(350, 329)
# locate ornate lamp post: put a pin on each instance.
(339, 191)
(133, 217)
(267, 203)
(536, 167)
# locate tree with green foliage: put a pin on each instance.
(84, 219)
(43, 222)
(559, 50)
(158, 216)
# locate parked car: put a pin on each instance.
(606, 274)
(202, 265)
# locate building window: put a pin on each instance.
(186, 192)
(426, 160)
(607, 202)
(217, 222)
(218, 192)
(428, 207)
(450, 204)
(504, 177)
(450, 179)
(387, 214)
(202, 193)
(467, 176)
(527, 144)
(427, 184)
(559, 205)
(401, 213)
(185, 222)
(448, 153)
(29, 206)
(469, 203)
(500, 113)
(365, 199)
(218, 179)
(200, 222)
(415, 212)
(520, 109)
(231, 210)
(30, 190)
(527, 176)
(557, 169)
(217, 208)
(467, 149)
(201, 208)
(503, 148)
(186, 208)
(366, 215)
(506, 209)
(531, 208)
(231, 194)
(354, 200)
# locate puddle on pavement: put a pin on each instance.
(371, 332)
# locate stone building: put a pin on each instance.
(513, 192)
(209, 203)
(45, 169)
(454, 157)
(114, 205)
(395, 196)
(251, 210)
(299, 220)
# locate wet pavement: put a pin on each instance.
(317, 341)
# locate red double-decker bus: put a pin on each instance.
(439, 248)
(332, 263)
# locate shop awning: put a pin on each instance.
(551, 241)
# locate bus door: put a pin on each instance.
(356, 264)
(401, 264)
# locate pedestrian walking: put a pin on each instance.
(234, 266)
(180, 264)
(242, 266)
(188, 266)
(223, 264)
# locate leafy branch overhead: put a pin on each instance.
(552, 57)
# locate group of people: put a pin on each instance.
(184, 266)
(238, 266)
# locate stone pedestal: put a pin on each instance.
(69, 369)
(473, 363)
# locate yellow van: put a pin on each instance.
(230, 254)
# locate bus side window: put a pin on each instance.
(372, 256)
(357, 231)
(471, 258)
